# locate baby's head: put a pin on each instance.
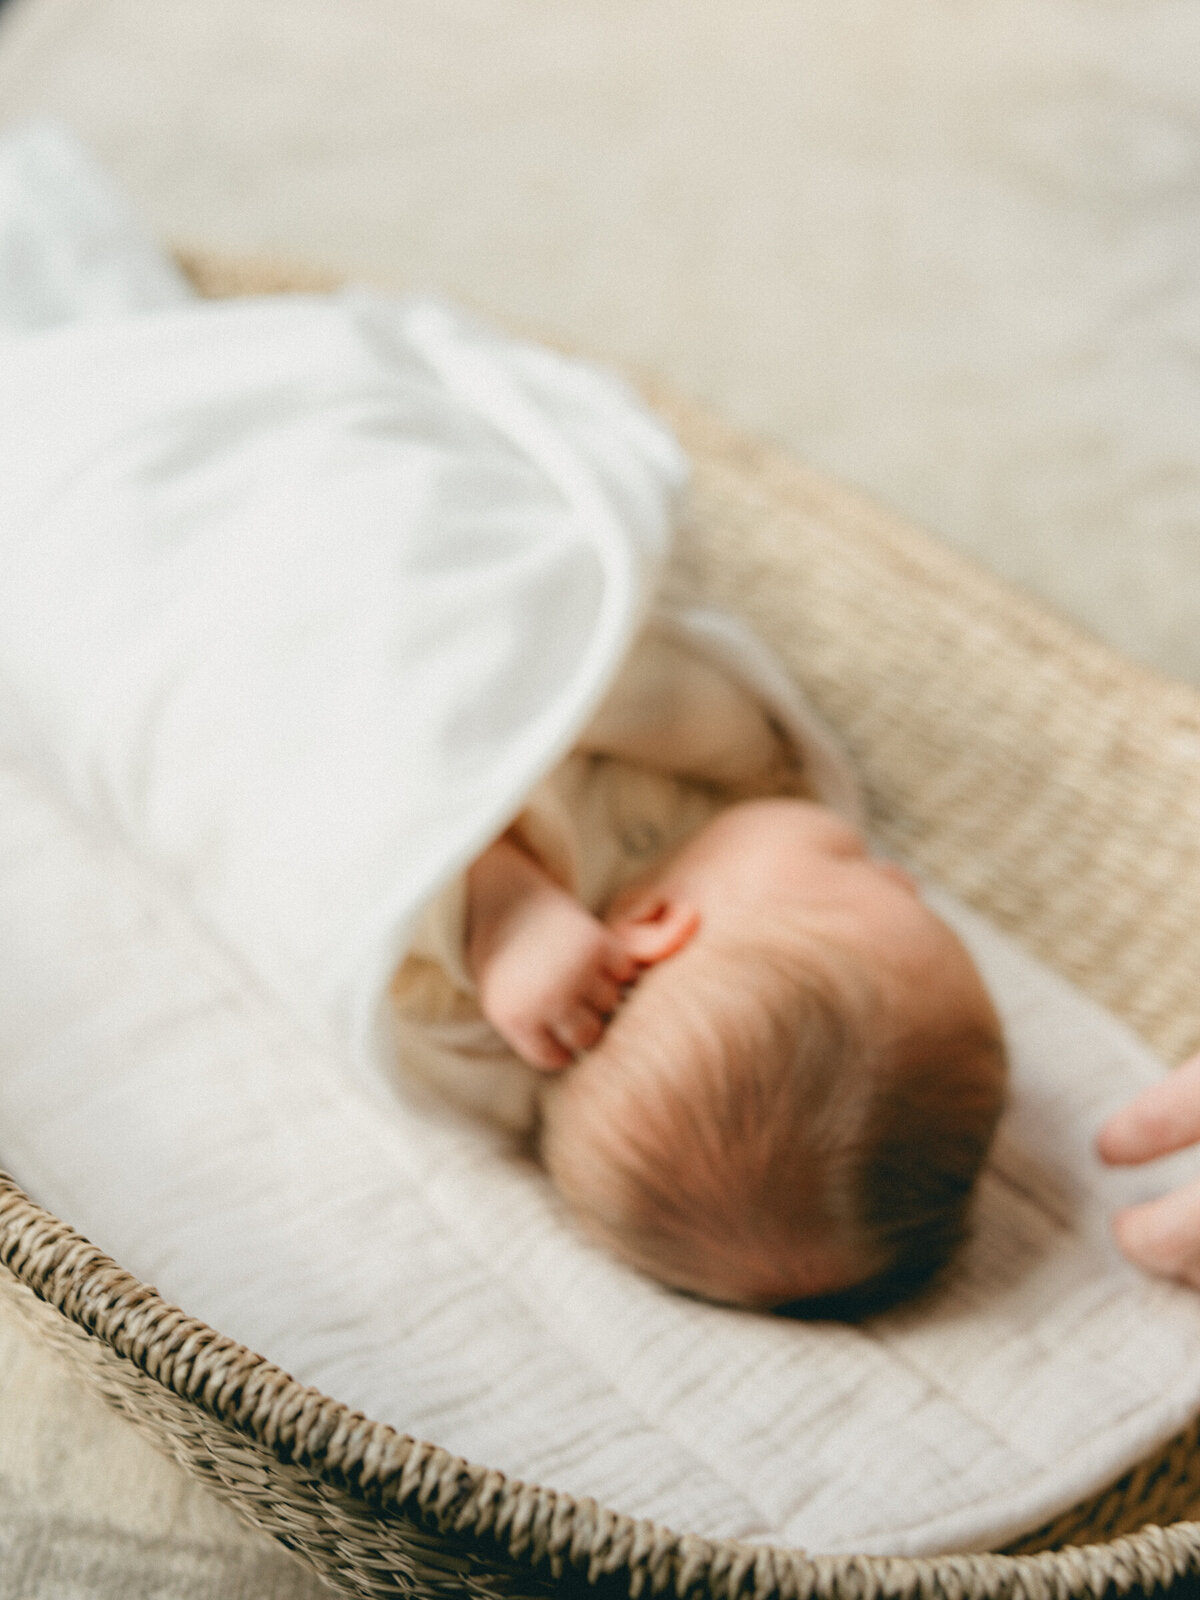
(794, 1102)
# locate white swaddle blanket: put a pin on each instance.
(297, 600)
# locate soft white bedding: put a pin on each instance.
(176, 1035)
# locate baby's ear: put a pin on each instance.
(654, 926)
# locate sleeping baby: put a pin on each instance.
(754, 1063)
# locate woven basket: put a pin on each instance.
(1046, 781)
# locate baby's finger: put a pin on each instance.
(580, 1028)
(1163, 1235)
(1164, 1117)
(542, 1050)
(604, 994)
(621, 965)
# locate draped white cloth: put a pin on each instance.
(303, 596)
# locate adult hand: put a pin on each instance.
(1163, 1235)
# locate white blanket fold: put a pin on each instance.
(298, 598)
(303, 596)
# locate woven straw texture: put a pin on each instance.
(1047, 782)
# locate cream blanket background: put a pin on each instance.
(949, 251)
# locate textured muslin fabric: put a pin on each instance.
(175, 1029)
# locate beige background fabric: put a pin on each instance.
(946, 251)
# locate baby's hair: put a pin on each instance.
(781, 1156)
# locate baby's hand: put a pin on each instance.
(547, 973)
(1162, 1235)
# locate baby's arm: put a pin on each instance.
(1162, 1235)
(673, 710)
(548, 974)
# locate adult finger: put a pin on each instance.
(1163, 1235)
(1164, 1117)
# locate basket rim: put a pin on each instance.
(535, 1528)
